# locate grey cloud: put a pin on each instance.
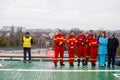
(56, 13)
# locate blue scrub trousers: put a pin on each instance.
(102, 59)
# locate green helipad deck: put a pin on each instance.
(17, 70)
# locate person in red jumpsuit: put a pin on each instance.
(59, 41)
(89, 37)
(93, 45)
(81, 38)
(71, 43)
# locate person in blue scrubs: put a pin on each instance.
(102, 49)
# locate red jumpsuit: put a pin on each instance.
(93, 45)
(72, 41)
(59, 41)
(89, 37)
(81, 47)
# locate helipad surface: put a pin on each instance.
(17, 70)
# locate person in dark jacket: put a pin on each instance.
(27, 42)
(112, 46)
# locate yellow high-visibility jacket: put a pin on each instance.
(27, 42)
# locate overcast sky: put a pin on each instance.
(63, 14)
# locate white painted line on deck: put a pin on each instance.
(1, 65)
(117, 75)
(39, 70)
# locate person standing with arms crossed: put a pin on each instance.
(72, 42)
(27, 42)
(59, 41)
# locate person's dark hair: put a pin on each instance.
(27, 33)
(60, 30)
(91, 31)
(81, 31)
(104, 34)
(114, 35)
(71, 31)
(95, 35)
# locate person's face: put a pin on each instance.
(103, 34)
(72, 33)
(27, 35)
(83, 32)
(111, 35)
(59, 32)
(91, 31)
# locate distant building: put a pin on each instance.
(13, 28)
(39, 30)
(51, 34)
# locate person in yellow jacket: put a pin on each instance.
(27, 42)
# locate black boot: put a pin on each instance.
(62, 64)
(108, 66)
(55, 65)
(113, 66)
(30, 61)
(93, 65)
(78, 63)
(86, 63)
(83, 62)
(24, 61)
(71, 65)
